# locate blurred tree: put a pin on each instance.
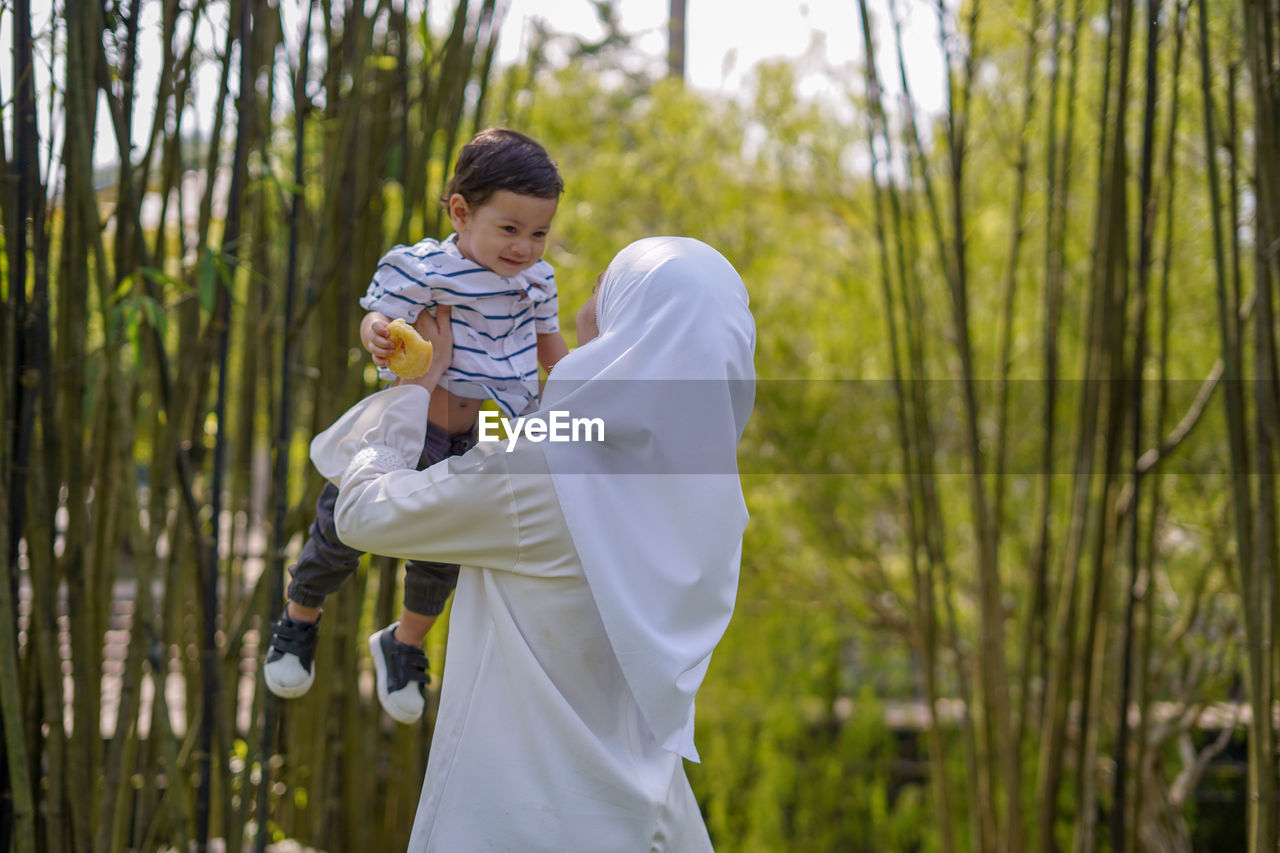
(676, 19)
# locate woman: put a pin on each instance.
(598, 574)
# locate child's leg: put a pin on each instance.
(324, 564)
(427, 584)
(426, 588)
(400, 667)
(413, 627)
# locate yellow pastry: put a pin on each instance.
(413, 354)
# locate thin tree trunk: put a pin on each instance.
(1147, 207)
(926, 646)
(1260, 765)
(284, 414)
(18, 814)
(32, 489)
(1143, 587)
(1112, 289)
(220, 328)
(980, 824)
(1035, 633)
(1262, 49)
(999, 765)
(677, 17)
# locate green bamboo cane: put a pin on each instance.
(35, 406)
(1229, 336)
(1062, 673)
(924, 438)
(1144, 610)
(1147, 210)
(1034, 631)
(1262, 40)
(284, 417)
(220, 327)
(926, 647)
(1111, 289)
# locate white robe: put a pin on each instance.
(539, 743)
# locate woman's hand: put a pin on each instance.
(438, 331)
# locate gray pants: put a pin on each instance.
(325, 562)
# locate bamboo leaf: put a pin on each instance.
(161, 277)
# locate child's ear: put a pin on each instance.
(459, 212)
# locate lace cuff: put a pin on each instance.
(379, 457)
(394, 420)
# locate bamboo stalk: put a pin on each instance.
(1057, 171)
(1229, 335)
(926, 645)
(1111, 289)
(999, 767)
(17, 818)
(1144, 611)
(35, 407)
(1147, 209)
(1061, 676)
(934, 527)
(284, 423)
(220, 328)
(17, 781)
(1262, 37)
(1009, 284)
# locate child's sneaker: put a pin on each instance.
(401, 671)
(288, 670)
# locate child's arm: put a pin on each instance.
(374, 337)
(551, 348)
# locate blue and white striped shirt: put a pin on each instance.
(496, 320)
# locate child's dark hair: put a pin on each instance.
(502, 159)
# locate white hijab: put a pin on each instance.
(656, 510)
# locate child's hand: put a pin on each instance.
(374, 337)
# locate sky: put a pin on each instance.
(725, 40)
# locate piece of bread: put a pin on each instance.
(413, 354)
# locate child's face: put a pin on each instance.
(507, 233)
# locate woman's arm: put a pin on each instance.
(461, 510)
(386, 506)
(438, 331)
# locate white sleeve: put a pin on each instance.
(461, 510)
(394, 418)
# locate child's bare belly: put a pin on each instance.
(454, 414)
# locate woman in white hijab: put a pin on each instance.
(597, 575)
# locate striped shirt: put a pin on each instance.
(496, 320)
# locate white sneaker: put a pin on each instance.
(401, 671)
(288, 669)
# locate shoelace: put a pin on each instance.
(410, 664)
(293, 638)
